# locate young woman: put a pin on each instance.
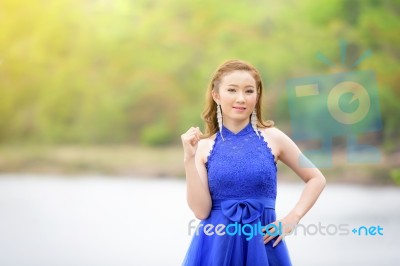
(231, 176)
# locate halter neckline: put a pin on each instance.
(246, 130)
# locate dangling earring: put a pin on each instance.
(254, 121)
(219, 120)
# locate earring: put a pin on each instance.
(254, 121)
(219, 120)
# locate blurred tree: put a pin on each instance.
(117, 71)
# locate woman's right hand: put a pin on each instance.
(190, 139)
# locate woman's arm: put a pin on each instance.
(290, 154)
(197, 191)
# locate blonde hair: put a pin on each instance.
(209, 114)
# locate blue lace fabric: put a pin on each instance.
(241, 166)
(242, 175)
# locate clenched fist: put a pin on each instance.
(190, 139)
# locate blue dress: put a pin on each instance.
(242, 181)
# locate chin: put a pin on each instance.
(240, 118)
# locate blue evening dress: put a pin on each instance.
(242, 181)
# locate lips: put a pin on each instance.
(239, 108)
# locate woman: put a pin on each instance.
(231, 176)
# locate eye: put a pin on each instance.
(231, 90)
(249, 91)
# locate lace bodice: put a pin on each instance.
(241, 166)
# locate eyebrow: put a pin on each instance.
(247, 86)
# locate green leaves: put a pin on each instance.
(110, 71)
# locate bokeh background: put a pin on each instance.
(95, 94)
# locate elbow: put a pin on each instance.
(201, 209)
(201, 214)
(323, 182)
(319, 180)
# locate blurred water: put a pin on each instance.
(95, 220)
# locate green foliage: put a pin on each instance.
(390, 111)
(156, 134)
(395, 175)
(116, 71)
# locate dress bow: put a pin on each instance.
(242, 211)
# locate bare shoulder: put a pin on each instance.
(277, 140)
(204, 147)
(273, 133)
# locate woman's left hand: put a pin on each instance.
(284, 226)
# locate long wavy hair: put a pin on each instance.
(209, 114)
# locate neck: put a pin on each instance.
(236, 126)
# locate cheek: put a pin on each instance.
(226, 97)
(252, 100)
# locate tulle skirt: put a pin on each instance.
(222, 241)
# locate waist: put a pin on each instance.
(268, 203)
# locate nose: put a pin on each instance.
(240, 98)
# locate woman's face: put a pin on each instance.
(237, 95)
